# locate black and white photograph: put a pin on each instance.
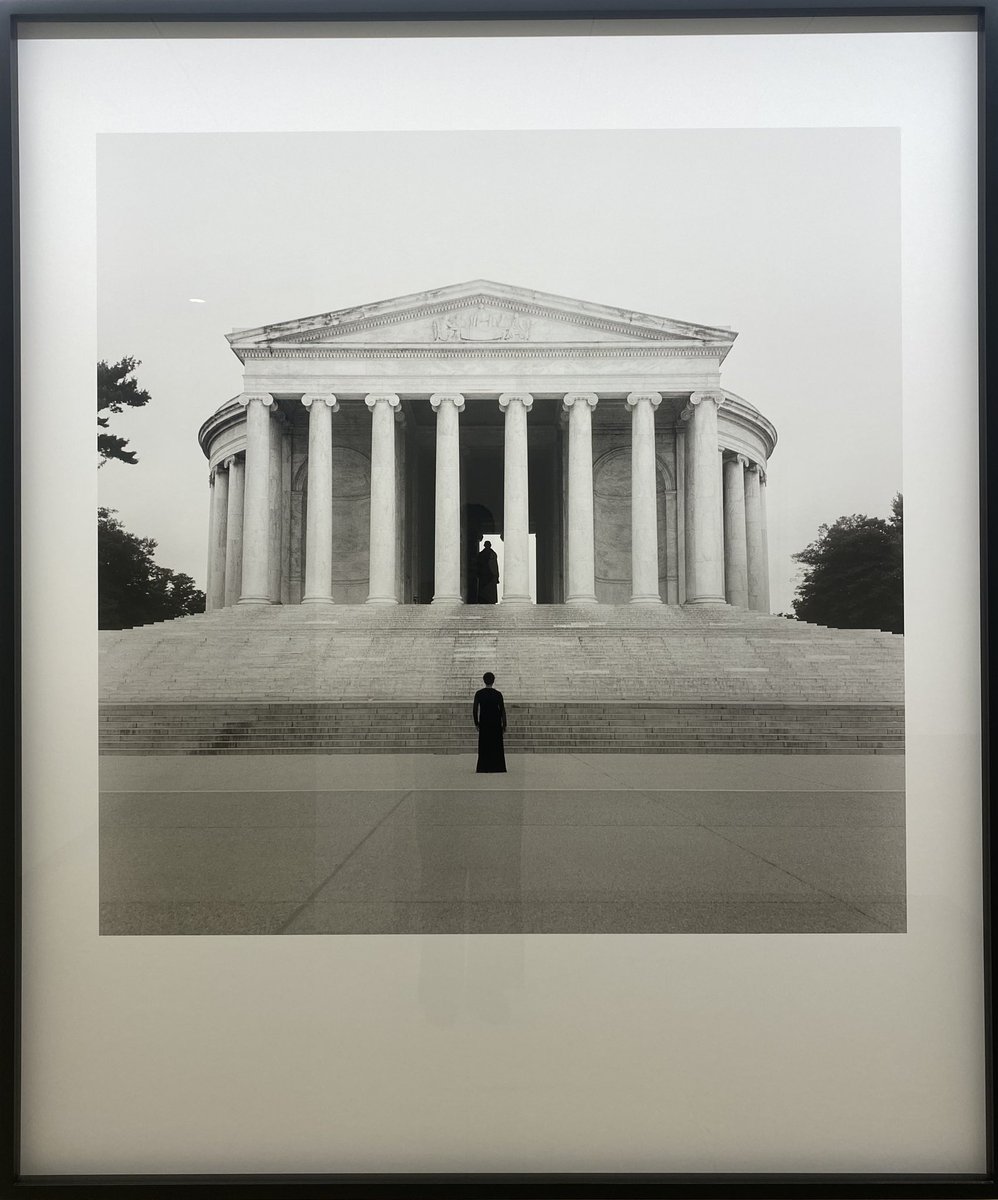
(501, 532)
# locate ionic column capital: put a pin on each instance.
(580, 398)
(636, 398)
(742, 461)
(699, 398)
(525, 398)
(230, 461)
(756, 467)
(325, 398)
(454, 398)
(265, 398)
(373, 399)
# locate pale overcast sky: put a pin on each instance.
(791, 237)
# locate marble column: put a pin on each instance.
(286, 482)
(447, 499)
(216, 537)
(581, 528)
(515, 525)
(256, 500)
(682, 527)
(644, 498)
(319, 500)
(753, 540)
(382, 579)
(704, 538)
(275, 498)
(763, 481)
(735, 552)
(234, 531)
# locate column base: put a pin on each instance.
(253, 600)
(706, 600)
(317, 600)
(516, 601)
(381, 600)
(582, 600)
(655, 599)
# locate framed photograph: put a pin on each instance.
(500, 734)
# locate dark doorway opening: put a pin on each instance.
(477, 522)
(482, 443)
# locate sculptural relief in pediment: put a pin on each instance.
(482, 325)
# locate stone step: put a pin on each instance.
(541, 655)
(381, 748)
(446, 729)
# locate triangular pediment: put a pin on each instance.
(477, 314)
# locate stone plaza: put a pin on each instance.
(583, 843)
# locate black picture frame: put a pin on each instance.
(518, 1186)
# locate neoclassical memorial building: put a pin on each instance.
(374, 447)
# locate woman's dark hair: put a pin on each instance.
(488, 679)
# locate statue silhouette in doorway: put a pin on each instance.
(488, 575)
(489, 713)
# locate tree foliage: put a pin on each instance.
(132, 588)
(853, 574)
(116, 391)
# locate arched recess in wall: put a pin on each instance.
(612, 517)
(351, 518)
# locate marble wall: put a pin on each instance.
(351, 502)
(612, 515)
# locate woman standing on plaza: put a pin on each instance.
(489, 714)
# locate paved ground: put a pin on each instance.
(561, 844)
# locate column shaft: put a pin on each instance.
(753, 540)
(763, 484)
(286, 519)
(735, 553)
(256, 501)
(447, 500)
(215, 597)
(234, 531)
(644, 498)
(274, 506)
(581, 529)
(319, 500)
(704, 539)
(382, 579)
(682, 512)
(515, 526)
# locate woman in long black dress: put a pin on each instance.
(489, 713)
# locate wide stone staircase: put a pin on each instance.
(371, 679)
